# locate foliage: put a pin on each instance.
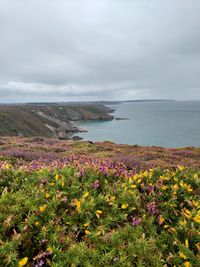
(91, 212)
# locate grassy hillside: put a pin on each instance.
(18, 120)
(47, 120)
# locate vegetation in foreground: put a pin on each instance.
(135, 157)
(97, 212)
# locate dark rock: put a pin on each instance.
(120, 119)
(76, 138)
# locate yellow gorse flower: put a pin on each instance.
(166, 226)
(77, 203)
(183, 223)
(87, 232)
(47, 195)
(189, 189)
(180, 168)
(175, 187)
(7, 166)
(161, 219)
(164, 187)
(198, 246)
(130, 180)
(197, 219)
(124, 206)
(133, 186)
(43, 208)
(186, 243)
(86, 195)
(171, 230)
(98, 213)
(187, 213)
(110, 199)
(49, 249)
(195, 203)
(23, 262)
(100, 230)
(182, 255)
(184, 185)
(131, 192)
(186, 264)
(137, 177)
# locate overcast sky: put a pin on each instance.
(63, 50)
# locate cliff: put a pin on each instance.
(48, 120)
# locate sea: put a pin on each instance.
(152, 123)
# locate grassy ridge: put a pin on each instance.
(92, 212)
(32, 119)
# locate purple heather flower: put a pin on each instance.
(152, 207)
(82, 172)
(136, 221)
(41, 263)
(150, 189)
(103, 170)
(96, 184)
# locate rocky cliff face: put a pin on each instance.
(64, 129)
(76, 112)
(48, 120)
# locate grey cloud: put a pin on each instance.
(99, 49)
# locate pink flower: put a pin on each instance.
(136, 221)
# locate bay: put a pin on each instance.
(156, 123)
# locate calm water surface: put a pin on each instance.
(168, 124)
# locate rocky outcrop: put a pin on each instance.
(64, 129)
(62, 124)
(121, 119)
(63, 116)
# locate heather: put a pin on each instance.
(77, 204)
(134, 157)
